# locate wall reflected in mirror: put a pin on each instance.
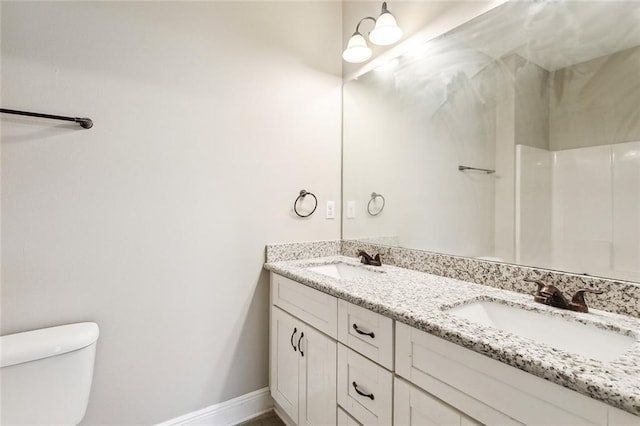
(545, 96)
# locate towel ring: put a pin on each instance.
(304, 193)
(373, 198)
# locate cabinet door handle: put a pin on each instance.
(295, 330)
(300, 347)
(367, 395)
(370, 333)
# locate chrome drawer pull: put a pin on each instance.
(368, 395)
(370, 333)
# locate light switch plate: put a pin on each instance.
(331, 209)
(351, 209)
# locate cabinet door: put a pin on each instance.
(284, 364)
(413, 407)
(317, 379)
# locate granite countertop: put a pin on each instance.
(420, 300)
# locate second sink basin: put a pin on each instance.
(342, 270)
(578, 338)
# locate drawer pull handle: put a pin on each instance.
(370, 333)
(295, 330)
(300, 347)
(368, 395)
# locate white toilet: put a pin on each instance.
(46, 374)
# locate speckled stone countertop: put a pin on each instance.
(420, 300)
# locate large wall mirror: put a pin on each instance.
(515, 138)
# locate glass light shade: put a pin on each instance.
(386, 31)
(357, 50)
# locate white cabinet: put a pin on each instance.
(490, 391)
(314, 307)
(285, 361)
(346, 420)
(318, 379)
(618, 417)
(366, 332)
(413, 407)
(302, 370)
(436, 382)
(365, 389)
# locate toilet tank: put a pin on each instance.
(46, 374)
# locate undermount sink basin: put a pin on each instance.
(343, 271)
(581, 339)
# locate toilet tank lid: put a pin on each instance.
(46, 342)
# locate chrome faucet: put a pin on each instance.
(368, 260)
(550, 295)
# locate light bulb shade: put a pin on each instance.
(386, 31)
(357, 50)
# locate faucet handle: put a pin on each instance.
(369, 260)
(365, 256)
(540, 284)
(539, 297)
(578, 302)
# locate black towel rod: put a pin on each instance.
(85, 123)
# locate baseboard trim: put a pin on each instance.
(231, 412)
(282, 415)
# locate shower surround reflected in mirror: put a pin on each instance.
(547, 94)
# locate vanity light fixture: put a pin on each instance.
(357, 50)
(385, 32)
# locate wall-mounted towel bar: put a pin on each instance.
(487, 171)
(85, 123)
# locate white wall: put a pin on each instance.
(209, 118)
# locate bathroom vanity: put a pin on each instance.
(353, 344)
(506, 149)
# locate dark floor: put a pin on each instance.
(269, 419)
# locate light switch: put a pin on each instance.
(331, 209)
(351, 209)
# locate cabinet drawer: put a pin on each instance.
(413, 407)
(364, 388)
(366, 332)
(346, 420)
(486, 389)
(314, 307)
